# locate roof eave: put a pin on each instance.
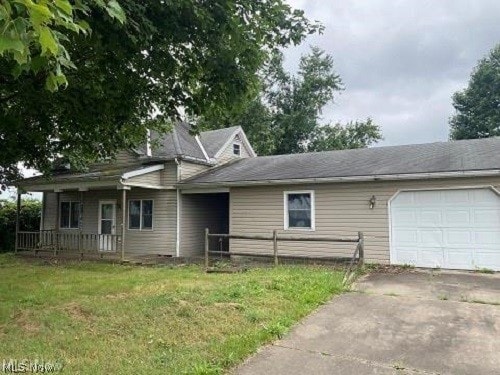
(320, 180)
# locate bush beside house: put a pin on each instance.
(29, 220)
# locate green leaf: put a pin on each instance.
(39, 14)
(54, 81)
(47, 42)
(115, 11)
(10, 44)
(65, 6)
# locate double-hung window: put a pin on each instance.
(237, 149)
(69, 215)
(140, 214)
(299, 210)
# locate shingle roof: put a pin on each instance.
(213, 140)
(95, 173)
(179, 142)
(468, 155)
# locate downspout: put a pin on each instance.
(178, 216)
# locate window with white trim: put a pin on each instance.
(69, 215)
(236, 149)
(140, 214)
(299, 210)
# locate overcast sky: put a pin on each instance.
(401, 61)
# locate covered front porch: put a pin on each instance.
(83, 221)
(112, 216)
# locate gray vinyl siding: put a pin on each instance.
(49, 211)
(341, 209)
(188, 169)
(168, 176)
(227, 154)
(160, 240)
(152, 178)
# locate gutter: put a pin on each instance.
(320, 180)
(178, 215)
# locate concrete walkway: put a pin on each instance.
(412, 322)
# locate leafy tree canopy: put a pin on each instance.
(33, 34)
(122, 70)
(478, 106)
(285, 116)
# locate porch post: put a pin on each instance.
(80, 223)
(18, 210)
(57, 223)
(124, 218)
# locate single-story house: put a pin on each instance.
(429, 205)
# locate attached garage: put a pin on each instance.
(447, 228)
(429, 205)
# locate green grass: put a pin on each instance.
(103, 318)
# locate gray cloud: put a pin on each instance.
(401, 61)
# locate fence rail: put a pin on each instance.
(68, 242)
(358, 253)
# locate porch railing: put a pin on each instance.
(66, 241)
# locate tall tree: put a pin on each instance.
(478, 106)
(285, 117)
(200, 56)
(354, 134)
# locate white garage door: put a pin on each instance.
(457, 229)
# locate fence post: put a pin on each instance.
(361, 244)
(275, 246)
(206, 247)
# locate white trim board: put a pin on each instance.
(200, 145)
(140, 172)
(286, 193)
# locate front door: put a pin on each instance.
(107, 225)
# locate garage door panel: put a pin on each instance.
(406, 236)
(457, 228)
(407, 255)
(487, 259)
(430, 217)
(456, 196)
(487, 217)
(459, 258)
(487, 238)
(431, 257)
(430, 238)
(427, 197)
(462, 238)
(457, 218)
(405, 218)
(481, 196)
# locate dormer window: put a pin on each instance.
(236, 149)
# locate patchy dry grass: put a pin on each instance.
(102, 318)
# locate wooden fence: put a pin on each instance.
(358, 254)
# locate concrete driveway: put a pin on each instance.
(428, 322)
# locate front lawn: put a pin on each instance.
(103, 318)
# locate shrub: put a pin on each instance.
(29, 220)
